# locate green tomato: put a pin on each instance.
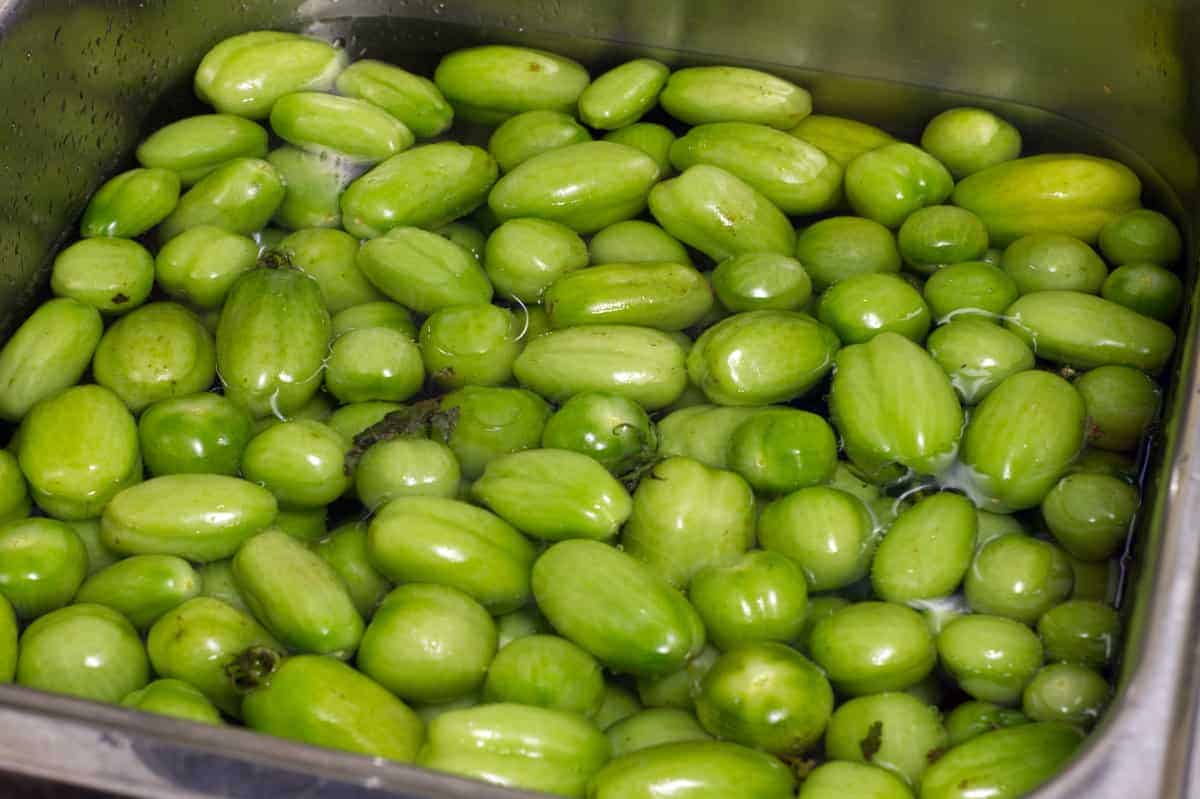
(1066, 692)
(142, 587)
(1141, 235)
(863, 306)
(470, 345)
(613, 430)
(523, 257)
(1090, 514)
(973, 718)
(940, 235)
(973, 288)
(868, 647)
(992, 658)
(1053, 262)
(842, 139)
(834, 249)
(405, 467)
(654, 727)
(927, 550)
(42, 564)
(1147, 288)
(531, 133)
(546, 671)
(827, 532)
(780, 450)
(374, 364)
(47, 354)
(114, 276)
(491, 422)
(1080, 631)
(894, 731)
(200, 265)
(761, 596)
(1002, 763)
(174, 698)
(891, 182)
(841, 778)
(489, 84)
(977, 355)
(197, 145)
(968, 140)
(706, 768)
(1018, 577)
(410, 98)
(130, 204)
(624, 94)
(199, 433)
(88, 651)
(761, 281)
(302, 463)
(698, 95)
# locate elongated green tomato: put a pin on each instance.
(692, 770)
(760, 357)
(131, 203)
(762, 596)
(489, 84)
(719, 214)
(84, 650)
(444, 541)
(634, 620)
(894, 731)
(1072, 194)
(623, 95)
(782, 450)
(313, 182)
(405, 467)
(272, 341)
(1146, 288)
(972, 288)
(410, 98)
(196, 642)
(195, 146)
(523, 257)
(427, 186)
(240, 196)
(768, 696)
(428, 643)
(585, 186)
(174, 698)
(554, 494)
(200, 265)
(142, 587)
(1080, 631)
(968, 140)
(423, 271)
(699, 95)
(329, 257)
(761, 281)
(1020, 440)
(927, 550)
(470, 345)
(871, 406)
(891, 182)
(531, 133)
(48, 353)
(1068, 693)
(42, 564)
(834, 249)
(977, 356)
(642, 364)
(793, 174)
(14, 492)
(1053, 262)
(375, 314)
(78, 450)
(1090, 514)
(246, 74)
(654, 727)
(345, 550)
(827, 532)
(664, 296)
(686, 517)
(992, 658)
(112, 275)
(1141, 236)
(863, 306)
(613, 430)
(302, 463)
(321, 701)
(868, 647)
(703, 432)
(347, 126)
(491, 421)
(840, 778)
(517, 746)
(199, 433)
(154, 353)
(973, 718)
(939, 235)
(374, 364)
(1018, 577)
(1004, 763)
(546, 671)
(199, 517)
(297, 596)
(651, 138)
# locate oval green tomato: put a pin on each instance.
(782, 450)
(546, 671)
(1018, 577)
(1004, 764)
(1121, 403)
(698, 95)
(423, 271)
(836, 248)
(840, 778)
(978, 355)
(200, 265)
(302, 463)
(651, 138)
(1068, 693)
(112, 275)
(405, 467)
(1147, 288)
(131, 203)
(891, 182)
(840, 138)
(329, 257)
(240, 196)
(761, 596)
(490, 83)
(350, 127)
(1141, 235)
(664, 296)
(470, 344)
(195, 146)
(972, 719)
(531, 133)
(1053, 262)
(829, 533)
(868, 647)
(972, 288)
(1090, 514)
(624, 94)
(174, 698)
(991, 657)
(199, 433)
(1080, 631)
(894, 731)
(863, 306)
(414, 100)
(967, 140)
(761, 281)
(612, 429)
(939, 235)
(345, 550)
(375, 314)
(88, 651)
(48, 353)
(490, 421)
(654, 727)
(694, 770)
(523, 257)
(313, 183)
(142, 587)
(42, 564)
(927, 550)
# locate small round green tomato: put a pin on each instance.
(1018, 577)
(827, 532)
(1141, 235)
(861, 307)
(868, 647)
(891, 730)
(1090, 514)
(940, 235)
(767, 696)
(42, 564)
(973, 287)
(196, 434)
(491, 421)
(374, 364)
(111, 275)
(968, 140)
(1121, 403)
(88, 651)
(302, 463)
(837, 248)
(977, 355)
(470, 345)
(612, 429)
(546, 671)
(1053, 262)
(759, 280)
(1147, 288)
(405, 467)
(1066, 692)
(990, 657)
(762, 596)
(524, 256)
(783, 450)
(1080, 631)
